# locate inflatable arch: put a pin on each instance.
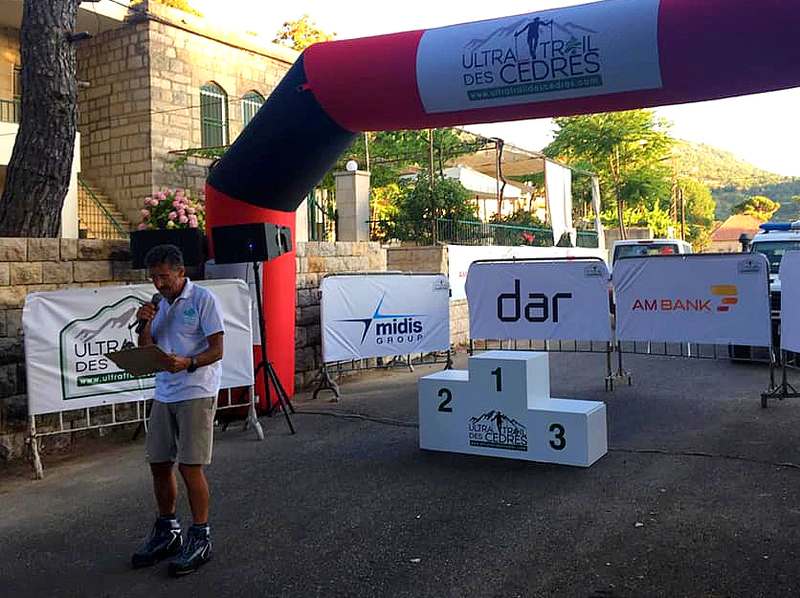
(606, 56)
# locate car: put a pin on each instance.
(773, 241)
(645, 247)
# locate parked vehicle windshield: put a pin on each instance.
(644, 249)
(774, 251)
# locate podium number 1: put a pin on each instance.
(496, 373)
(448, 396)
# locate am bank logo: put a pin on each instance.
(723, 298)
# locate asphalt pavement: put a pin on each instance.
(697, 496)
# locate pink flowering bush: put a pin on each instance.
(173, 208)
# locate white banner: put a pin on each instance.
(539, 300)
(459, 257)
(704, 298)
(789, 275)
(558, 184)
(68, 333)
(377, 315)
(571, 52)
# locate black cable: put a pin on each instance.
(642, 451)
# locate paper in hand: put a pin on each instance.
(140, 361)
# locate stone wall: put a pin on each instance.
(428, 259)
(315, 260)
(30, 265)
(432, 259)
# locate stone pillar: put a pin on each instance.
(352, 204)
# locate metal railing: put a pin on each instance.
(460, 232)
(9, 111)
(587, 238)
(94, 216)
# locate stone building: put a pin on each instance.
(161, 82)
(153, 81)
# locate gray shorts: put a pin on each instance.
(182, 432)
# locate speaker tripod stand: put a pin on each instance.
(268, 372)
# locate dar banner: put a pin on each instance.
(539, 300)
(68, 333)
(378, 315)
(703, 298)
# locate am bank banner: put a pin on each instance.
(698, 298)
(378, 315)
(68, 334)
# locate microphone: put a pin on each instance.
(140, 324)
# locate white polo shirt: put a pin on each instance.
(182, 328)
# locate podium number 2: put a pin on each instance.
(496, 373)
(559, 441)
(448, 396)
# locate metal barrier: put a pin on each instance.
(108, 416)
(334, 368)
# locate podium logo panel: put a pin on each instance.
(497, 430)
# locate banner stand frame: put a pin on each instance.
(621, 373)
(784, 390)
(327, 383)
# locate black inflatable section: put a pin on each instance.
(284, 151)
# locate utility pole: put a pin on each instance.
(430, 186)
(683, 214)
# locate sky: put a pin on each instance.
(763, 129)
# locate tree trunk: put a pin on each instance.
(39, 172)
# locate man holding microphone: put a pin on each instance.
(187, 325)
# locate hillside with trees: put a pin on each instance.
(733, 180)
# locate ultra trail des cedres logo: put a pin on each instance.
(530, 56)
(495, 429)
(723, 298)
(391, 329)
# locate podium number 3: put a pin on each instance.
(448, 396)
(499, 380)
(559, 442)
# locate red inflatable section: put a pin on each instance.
(278, 278)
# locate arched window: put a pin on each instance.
(213, 115)
(251, 102)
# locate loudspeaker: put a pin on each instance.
(258, 242)
(190, 241)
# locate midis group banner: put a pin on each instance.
(378, 315)
(539, 300)
(68, 333)
(714, 299)
(790, 301)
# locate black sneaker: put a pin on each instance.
(196, 551)
(165, 541)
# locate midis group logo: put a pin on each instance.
(391, 329)
(497, 430)
(530, 56)
(725, 296)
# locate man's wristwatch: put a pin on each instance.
(193, 365)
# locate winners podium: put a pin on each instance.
(501, 407)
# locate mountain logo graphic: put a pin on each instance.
(495, 429)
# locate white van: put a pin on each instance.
(773, 240)
(643, 247)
